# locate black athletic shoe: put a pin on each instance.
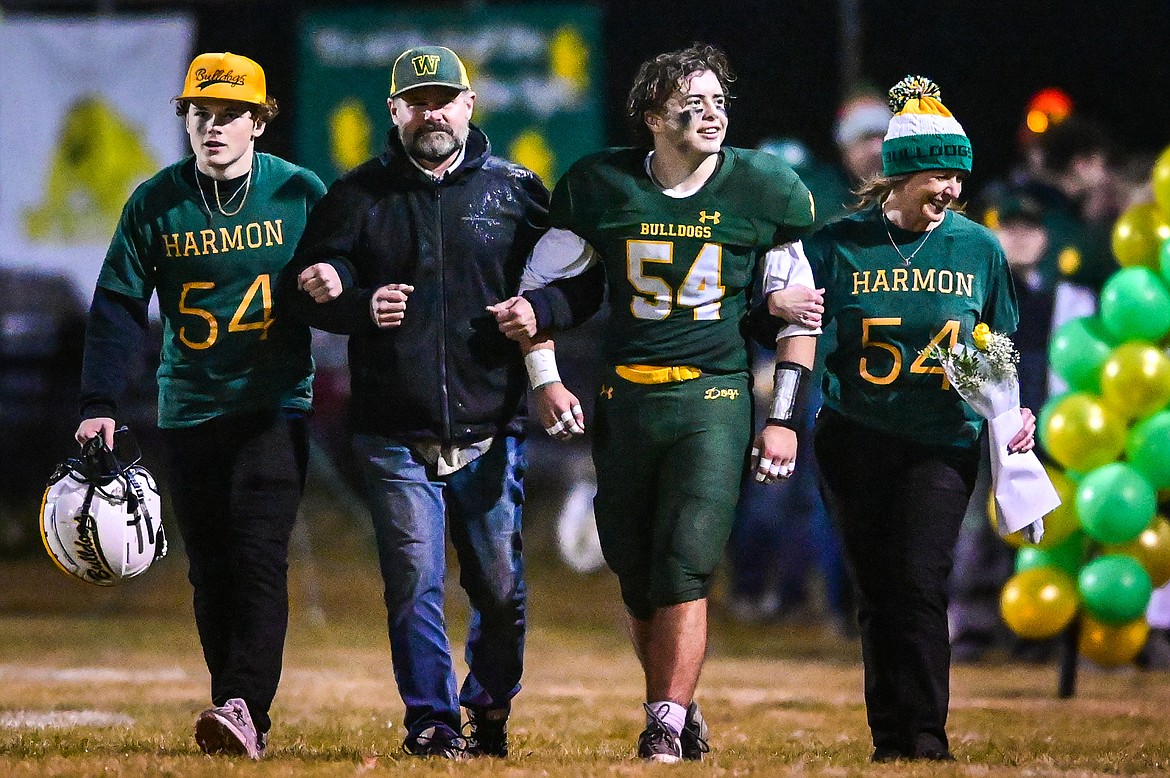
(658, 742)
(883, 754)
(436, 740)
(931, 748)
(693, 738)
(487, 732)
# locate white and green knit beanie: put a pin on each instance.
(923, 135)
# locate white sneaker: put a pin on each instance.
(228, 729)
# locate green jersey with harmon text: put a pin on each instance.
(892, 305)
(679, 270)
(224, 347)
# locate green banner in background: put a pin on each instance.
(535, 71)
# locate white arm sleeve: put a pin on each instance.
(786, 266)
(558, 254)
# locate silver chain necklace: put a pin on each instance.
(905, 259)
(218, 204)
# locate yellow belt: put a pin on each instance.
(648, 374)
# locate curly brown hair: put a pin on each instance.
(261, 113)
(662, 76)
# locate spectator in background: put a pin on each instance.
(1067, 173)
(782, 532)
(861, 124)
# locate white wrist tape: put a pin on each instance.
(542, 367)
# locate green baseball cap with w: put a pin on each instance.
(427, 66)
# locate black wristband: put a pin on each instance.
(790, 397)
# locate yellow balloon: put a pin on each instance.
(1014, 539)
(1161, 181)
(1058, 525)
(1135, 380)
(1062, 522)
(1152, 549)
(1082, 433)
(1038, 603)
(1138, 234)
(1111, 645)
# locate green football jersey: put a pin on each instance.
(888, 311)
(224, 347)
(679, 270)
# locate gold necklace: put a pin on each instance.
(218, 204)
(905, 259)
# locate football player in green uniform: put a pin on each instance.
(680, 229)
(897, 446)
(209, 235)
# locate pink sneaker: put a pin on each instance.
(228, 729)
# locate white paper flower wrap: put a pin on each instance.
(1023, 492)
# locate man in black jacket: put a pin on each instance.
(404, 254)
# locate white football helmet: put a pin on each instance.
(101, 521)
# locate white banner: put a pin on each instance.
(85, 116)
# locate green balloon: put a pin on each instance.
(1066, 555)
(1077, 350)
(1164, 260)
(1115, 588)
(1029, 557)
(1115, 503)
(1147, 447)
(1135, 305)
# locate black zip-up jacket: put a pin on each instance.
(446, 372)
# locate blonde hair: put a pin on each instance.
(878, 188)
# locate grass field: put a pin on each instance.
(108, 682)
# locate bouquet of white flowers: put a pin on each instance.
(985, 377)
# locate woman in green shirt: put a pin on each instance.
(897, 446)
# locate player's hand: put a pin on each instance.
(798, 305)
(388, 305)
(773, 454)
(321, 281)
(559, 411)
(515, 318)
(91, 428)
(1025, 439)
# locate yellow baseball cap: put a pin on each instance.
(225, 76)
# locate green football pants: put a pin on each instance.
(669, 461)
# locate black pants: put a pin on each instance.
(899, 505)
(236, 484)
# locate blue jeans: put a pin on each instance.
(411, 507)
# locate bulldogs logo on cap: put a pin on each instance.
(225, 76)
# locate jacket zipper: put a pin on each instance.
(443, 320)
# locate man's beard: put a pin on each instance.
(435, 145)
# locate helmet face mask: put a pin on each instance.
(101, 521)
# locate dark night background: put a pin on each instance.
(988, 58)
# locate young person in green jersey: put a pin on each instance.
(680, 226)
(897, 446)
(209, 236)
